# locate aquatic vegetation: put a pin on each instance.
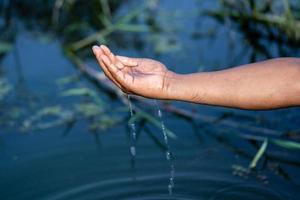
(39, 121)
(122, 24)
(265, 13)
(10, 112)
(277, 21)
(91, 109)
(259, 154)
(287, 144)
(5, 47)
(5, 88)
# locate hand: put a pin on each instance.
(140, 76)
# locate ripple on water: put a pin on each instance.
(189, 186)
(246, 192)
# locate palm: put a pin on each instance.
(145, 77)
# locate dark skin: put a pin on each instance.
(264, 85)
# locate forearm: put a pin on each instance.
(264, 85)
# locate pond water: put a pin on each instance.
(210, 160)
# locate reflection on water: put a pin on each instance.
(85, 155)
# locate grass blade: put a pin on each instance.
(259, 154)
(287, 144)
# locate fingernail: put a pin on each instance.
(95, 47)
(102, 46)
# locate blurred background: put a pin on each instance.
(64, 130)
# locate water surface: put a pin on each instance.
(208, 157)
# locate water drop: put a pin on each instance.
(168, 152)
(132, 129)
(168, 155)
(132, 150)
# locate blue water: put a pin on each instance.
(49, 164)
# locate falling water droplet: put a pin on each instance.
(168, 155)
(132, 150)
(168, 152)
(132, 129)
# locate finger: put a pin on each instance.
(108, 53)
(112, 57)
(127, 61)
(106, 60)
(108, 65)
(98, 53)
(119, 65)
(120, 68)
(119, 75)
(108, 74)
(106, 50)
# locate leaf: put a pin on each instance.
(47, 118)
(131, 15)
(287, 9)
(5, 47)
(286, 144)
(53, 110)
(83, 92)
(89, 109)
(78, 92)
(5, 88)
(67, 79)
(104, 122)
(259, 154)
(105, 21)
(132, 27)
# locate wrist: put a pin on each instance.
(175, 86)
(185, 87)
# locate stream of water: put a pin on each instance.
(169, 155)
(132, 129)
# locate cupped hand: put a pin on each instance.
(140, 76)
